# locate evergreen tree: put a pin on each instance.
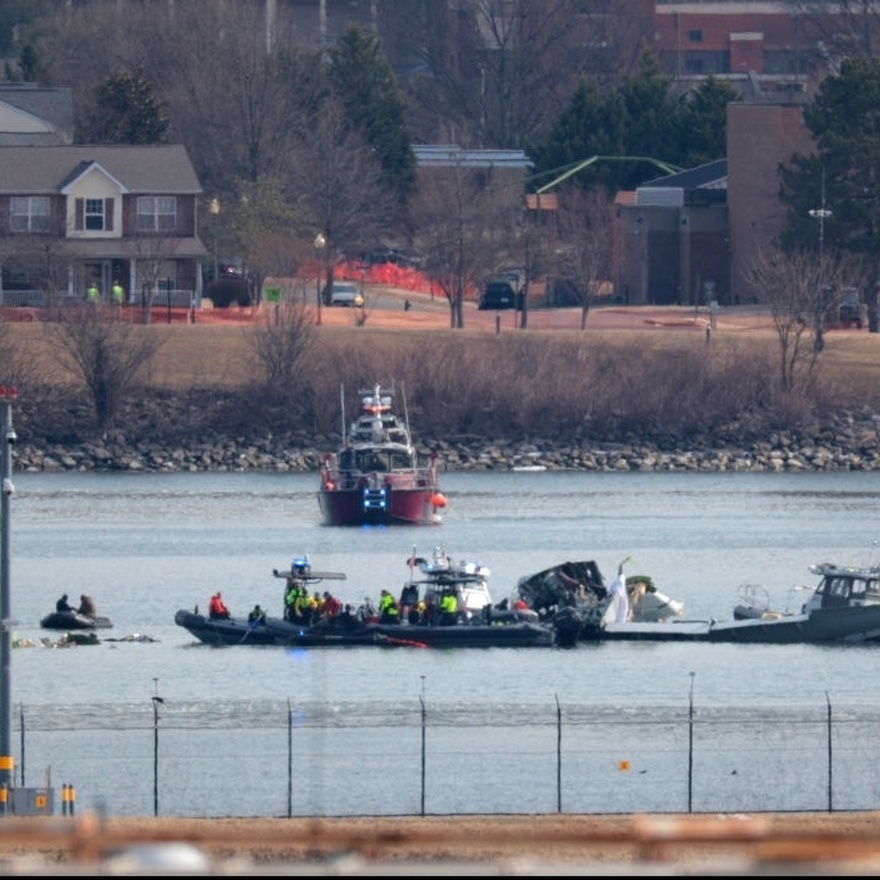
(365, 84)
(640, 127)
(126, 111)
(702, 122)
(843, 175)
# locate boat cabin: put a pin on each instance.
(842, 586)
(372, 459)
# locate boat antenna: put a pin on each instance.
(342, 408)
(405, 409)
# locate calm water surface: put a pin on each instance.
(146, 545)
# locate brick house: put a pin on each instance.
(75, 215)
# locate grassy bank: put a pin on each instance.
(656, 381)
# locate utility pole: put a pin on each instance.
(820, 214)
(7, 764)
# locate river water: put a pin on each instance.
(266, 731)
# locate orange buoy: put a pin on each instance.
(438, 500)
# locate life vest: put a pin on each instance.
(387, 605)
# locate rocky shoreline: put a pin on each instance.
(849, 443)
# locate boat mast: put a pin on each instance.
(405, 411)
(342, 409)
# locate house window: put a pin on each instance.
(94, 214)
(29, 214)
(156, 213)
(695, 36)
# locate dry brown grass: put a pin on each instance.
(656, 374)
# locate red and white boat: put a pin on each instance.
(378, 477)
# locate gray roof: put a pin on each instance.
(712, 175)
(150, 169)
(53, 105)
(452, 155)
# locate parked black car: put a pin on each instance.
(502, 291)
(850, 311)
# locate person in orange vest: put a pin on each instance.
(217, 610)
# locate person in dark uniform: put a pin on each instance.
(62, 604)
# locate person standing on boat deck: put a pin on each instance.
(217, 610)
(63, 605)
(292, 595)
(448, 608)
(409, 599)
(618, 595)
(257, 616)
(87, 606)
(388, 611)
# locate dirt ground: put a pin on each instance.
(804, 842)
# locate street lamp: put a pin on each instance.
(820, 214)
(320, 244)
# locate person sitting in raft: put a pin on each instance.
(63, 605)
(87, 606)
(217, 610)
(331, 606)
(257, 616)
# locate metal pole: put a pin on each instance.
(424, 724)
(558, 755)
(320, 244)
(830, 775)
(289, 761)
(691, 746)
(7, 764)
(156, 701)
(168, 294)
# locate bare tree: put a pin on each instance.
(496, 73)
(45, 259)
(800, 290)
(105, 355)
(455, 209)
(839, 28)
(339, 185)
(152, 265)
(279, 343)
(585, 245)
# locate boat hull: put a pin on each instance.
(276, 631)
(233, 631)
(846, 625)
(72, 620)
(388, 505)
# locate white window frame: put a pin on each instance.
(93, 215)
(29, 214)
(156, 213)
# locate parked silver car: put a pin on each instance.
(343, 293)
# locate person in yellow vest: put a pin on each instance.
(118, 293)
(93, 294)
(388, 610)
(448, 608)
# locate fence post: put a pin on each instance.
(830, 770)
(558, 755)
(289, 760)
(156, 701)
(691, 746)
(424, 720)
